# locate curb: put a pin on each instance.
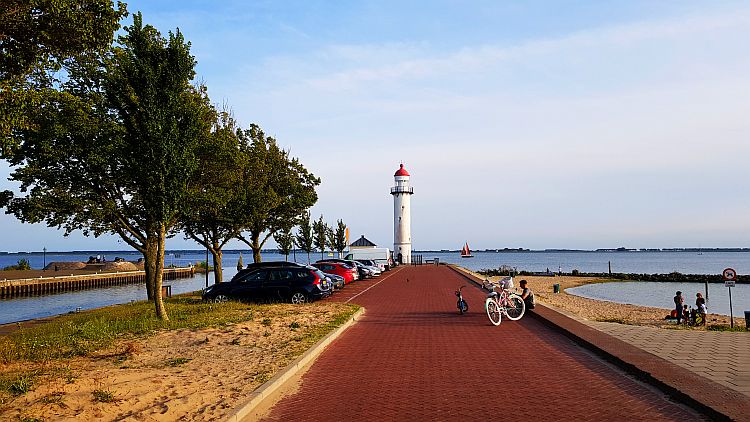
(712, 399)
(272, 386)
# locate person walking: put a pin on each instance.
(678, 302)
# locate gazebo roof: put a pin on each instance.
(362, 241)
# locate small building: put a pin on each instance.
(362, 243)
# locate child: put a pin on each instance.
(685, 314)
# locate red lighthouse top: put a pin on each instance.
(401, 171)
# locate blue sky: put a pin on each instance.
(524, 124)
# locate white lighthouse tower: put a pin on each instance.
(402, 193)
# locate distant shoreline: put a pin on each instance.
(426, 251)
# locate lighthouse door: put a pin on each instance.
(400, 258)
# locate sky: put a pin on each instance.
(536, 124)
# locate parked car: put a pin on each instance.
(372, 264)
(339, 268)
(362, 270)
(337, 282)
(273, 283)
(254, 266)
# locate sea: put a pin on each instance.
(640, 262)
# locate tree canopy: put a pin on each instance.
(114, 152)
(281, 189)
(37, 38)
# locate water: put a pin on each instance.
(660, 294)
(20, 309)
(596, 262)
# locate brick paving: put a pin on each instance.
(723, 357)
(412, 357)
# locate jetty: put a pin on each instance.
(41, 285)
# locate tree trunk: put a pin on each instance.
(217, 257)
(161, 311)
(256, 247)
(149, 265)
(308, 257)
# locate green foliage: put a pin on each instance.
(279, 188)
(320, 238)
(23, 264)
(80, 334)
(104, 396)
(240, 264)
(338, 237)
(266, 322)
(37, 39)
(285, 239)
(115, 149)
(304, 236)
(177, 362)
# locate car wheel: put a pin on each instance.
(221, 299)
(299, 298)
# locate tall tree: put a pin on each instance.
(281, 189)
(215, 211)
(304, 237)
(37, 37)
(116, 151)
(285, 239)
(337, 238)
(320, 238)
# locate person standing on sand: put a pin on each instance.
(678, 300)
(700, 304)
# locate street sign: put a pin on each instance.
(729, 274)
(730, 277)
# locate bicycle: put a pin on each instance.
(503, 302)
(461, 304)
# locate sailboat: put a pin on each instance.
(466, 252)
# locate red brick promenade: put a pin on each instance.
(412, 357)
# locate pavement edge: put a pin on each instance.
(271, 386)
(713, 399)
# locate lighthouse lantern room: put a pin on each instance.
(402, 193)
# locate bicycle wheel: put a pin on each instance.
(514, 308)
(493, 311)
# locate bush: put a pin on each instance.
(23, 264)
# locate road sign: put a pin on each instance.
(729, 275)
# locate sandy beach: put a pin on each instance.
(174, 375)
(597, 310)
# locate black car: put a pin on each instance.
(253, 266)
(273, 283)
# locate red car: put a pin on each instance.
(349, 274)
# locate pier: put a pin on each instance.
(65, 283)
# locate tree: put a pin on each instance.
(304, 235)
(214, 212)
(285, 239)
(278, 191)
(37, 37)
(337, 238)
(320, 235)
(240, 264)
(115, 152)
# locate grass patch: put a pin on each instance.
(294, 325)
(177, 361)
(80, 334)
(18, 384)
(721, 327)
(55, 398)
(104, 396)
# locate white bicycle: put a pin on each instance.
(501, 301)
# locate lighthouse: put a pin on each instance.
(402, 193)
